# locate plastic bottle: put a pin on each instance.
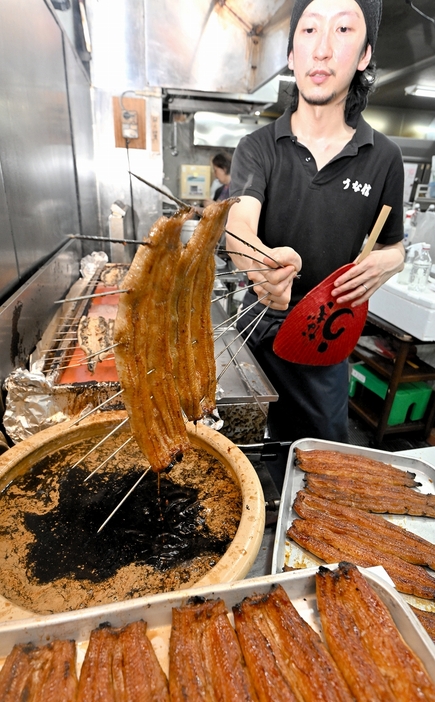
(405, 274)
(420, 270)
(408, 228)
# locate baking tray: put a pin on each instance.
(288, 553)
(156, 610)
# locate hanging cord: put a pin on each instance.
(127, 141)
(431, 19)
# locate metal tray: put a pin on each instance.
(156, 610)
(286, 552)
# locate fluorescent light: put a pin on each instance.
(420, 91)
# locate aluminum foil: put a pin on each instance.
(90, 264)
(30, 404)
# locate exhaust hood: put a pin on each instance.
(224, 46)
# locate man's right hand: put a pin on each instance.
(274, 276)
(279, 280)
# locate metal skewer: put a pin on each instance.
(85, 359)
(259, 317)
(88, 297)
(228, 322)
(237, 271)
(182, 204)
(127, 441)
(233, 292)
(88, 237)
(254, 248)
(82, 363)
(94, 409)
(123, 499)
(94, 448)
(258, 320)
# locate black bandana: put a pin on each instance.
(372, 10)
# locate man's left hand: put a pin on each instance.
(357, 284)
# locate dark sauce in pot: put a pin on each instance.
(162, 530)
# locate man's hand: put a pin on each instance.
(274, 281)
(360, 282)
(271, 279)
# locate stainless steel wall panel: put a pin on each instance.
(79, 93)
(8, 260)
(117, 33)
(35, 146)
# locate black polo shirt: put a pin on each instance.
(324, 215)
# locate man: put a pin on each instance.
(311, 185)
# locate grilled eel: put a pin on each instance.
(348, 466)
(93, 334)
(426, 619)
(332, 547)
(340, 460)
(393, 499)
(373, 529)
(364, 641)
(286, 657)
(142, 355)
(120, 665)
(192, 344)
(205, 660)
(40, 674)
(207, 234)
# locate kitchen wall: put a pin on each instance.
(47, 181)
(118, 70)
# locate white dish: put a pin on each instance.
(157, 612)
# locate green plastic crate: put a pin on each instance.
(409, 395)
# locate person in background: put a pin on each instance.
(311, 185)
(221, 164)
(222, 171)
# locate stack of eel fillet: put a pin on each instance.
(364, 641)
(120, 665)
(337, 524)
(164, 351)
(205, 660)
(286, 657)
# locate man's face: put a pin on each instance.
(329, 45)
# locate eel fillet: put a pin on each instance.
(205, 660)
(426, 619)
(95, 334)
(206, 236)
(365, 642)
(193, 356)
(143, 357)
(371, 497)
(120, 665)
(366, 527)
(40, 674)
(349, 466)
(286, 657)
(332, 547)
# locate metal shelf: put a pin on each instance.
(397, 371)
